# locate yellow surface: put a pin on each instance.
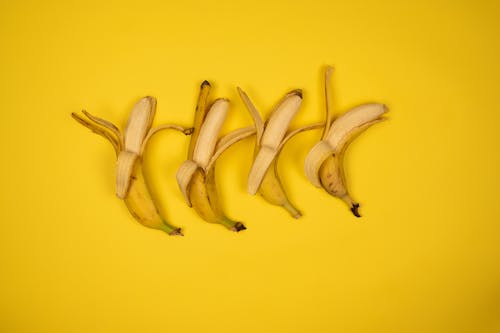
(425, 256)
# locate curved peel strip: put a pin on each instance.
(228, 140)
(111, 137)
(280, 119)
(347, 139)
(139, 123)
(199, 116)
(234, 136)
(261, 163)
(159, 128)
(257, 119)
(352, 119)
(316, 156)
(209, 132)
(184, 176)
(297, 131)
(328, 101)
(109, 125)
(124, 168)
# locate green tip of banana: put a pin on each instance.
(238, 226)
(354, 209)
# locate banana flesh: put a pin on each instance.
(273, 133)
(323, 165)
(131, 186)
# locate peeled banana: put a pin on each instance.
(129, 147)
(324, 162)
(196, 176)
(271, 137)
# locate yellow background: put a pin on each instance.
(425, 255)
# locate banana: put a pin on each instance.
(129, 147)
(142, 207)
(196, 175)
(324, 163)
(271, 137)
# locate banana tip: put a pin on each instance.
(294, 212)
(238, 226)
(188, 131)
(176, 232)
(297, 92)
(205, 83)
(354, 209)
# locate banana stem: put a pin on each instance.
(232, 225)
(172, 231)
(353, 206)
